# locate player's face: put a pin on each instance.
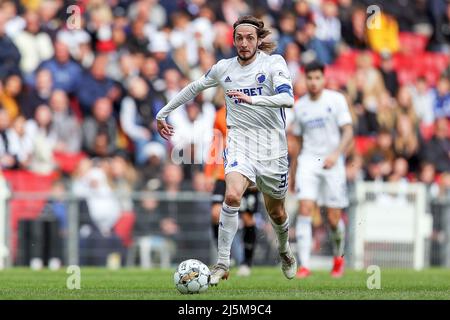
(315, 82)
(246, 42)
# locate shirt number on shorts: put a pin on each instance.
(283, 182)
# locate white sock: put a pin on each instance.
(228, 226)
(303, 233)
(282, 232)
(338, 239)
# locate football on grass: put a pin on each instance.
(191, 276)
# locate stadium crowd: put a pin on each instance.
(80, 87)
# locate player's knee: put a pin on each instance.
(233, 199)
(278, 215)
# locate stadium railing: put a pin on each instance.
(389, 225)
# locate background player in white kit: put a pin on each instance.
(323, 126)
(258, 88)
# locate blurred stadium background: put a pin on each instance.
(85, 178)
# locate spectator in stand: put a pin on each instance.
(292, 56)
(444, 186)
(313, 48)
(100, 130)
(65, 124)
(33, 44)
(386, 112)
(66, 73)
(405, 106)
(373, 84)
(12, 95)
(137, 115)
(427, 175)
(441, 101)
(440, 40)
(37, 95)
(287, 28)
(383, 146)
(150, 72)
(97, 237)
(137, 41)
(407, 141)
(437, 150)
(14, 23)
(9, 146)
(160, 50)
(378, 168)
(79, 42)
(329, 26)
(43, 139)
(399, 171)
(150, 174)
(95, 85)
(172, 78)
(303, 13)
(422, 98)
(24, 141)
(388, 73)
(356, 37)
(122, 176)
(366, 119)
(223, 42)
(9, 54)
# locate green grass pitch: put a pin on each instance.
(264, 283)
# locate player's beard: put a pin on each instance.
(247, 58)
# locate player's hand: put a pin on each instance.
(330, 161)
(164, 129)
(239, 95)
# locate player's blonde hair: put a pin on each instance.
(266, 46)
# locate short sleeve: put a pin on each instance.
(281, 77)
(343, 115)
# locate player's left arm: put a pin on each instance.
(282, 85)
(344, 121)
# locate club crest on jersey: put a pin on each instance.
(260, 78)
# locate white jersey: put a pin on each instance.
(319, 122)
(256, 131)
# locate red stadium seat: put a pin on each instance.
(363, 144)
(124, 228)
(338, 74)
(412, 43)
(407, 76)
(427, 131)
(68, 162)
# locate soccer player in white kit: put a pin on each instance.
(257, 88)
(323, 126)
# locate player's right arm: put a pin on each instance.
(188, 93)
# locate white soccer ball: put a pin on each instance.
(191, 276)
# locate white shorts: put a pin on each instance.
(270, 176)
(327, 187)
